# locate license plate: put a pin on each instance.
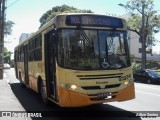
(103, 94)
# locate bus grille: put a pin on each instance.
(98, 87)
(101, 76)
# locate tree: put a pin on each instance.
(144, 21)
(59, 10)
(7, 55)
(7, 31)
(8, 27)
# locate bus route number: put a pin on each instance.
(122, 78)
(75, 20)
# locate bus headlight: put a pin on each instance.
(73, 87)
(68, 86)
(126, 82)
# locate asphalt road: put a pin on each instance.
(147, 99)
(147, 102)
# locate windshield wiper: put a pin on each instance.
(85, 37)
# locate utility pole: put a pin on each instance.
(143, 39)
(2, 22)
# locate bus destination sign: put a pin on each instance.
(92, 20)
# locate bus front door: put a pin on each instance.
(50, 64)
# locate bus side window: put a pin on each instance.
(38, 48)
(31, 53)
(22, 54)
(19, 57)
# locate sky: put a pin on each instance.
(26, 14)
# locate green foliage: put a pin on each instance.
(8, 27)
(12, 63)
(151, 19)
(135, 65)
(7, 55)
(134, 22)
(59, 10)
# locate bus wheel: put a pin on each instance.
(20, 79)
(42, 93)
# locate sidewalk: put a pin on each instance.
(8, 101)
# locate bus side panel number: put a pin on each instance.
(122, 78)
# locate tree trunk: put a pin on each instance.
(143, 55)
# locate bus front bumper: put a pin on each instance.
(73, 99)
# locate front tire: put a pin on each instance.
(21, 83)
(148, 81)
(43, 92)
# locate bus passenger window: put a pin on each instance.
(31, 55)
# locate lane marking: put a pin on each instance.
(147, 93)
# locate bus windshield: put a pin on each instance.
(92, 49)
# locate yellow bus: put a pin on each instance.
(77, 60)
